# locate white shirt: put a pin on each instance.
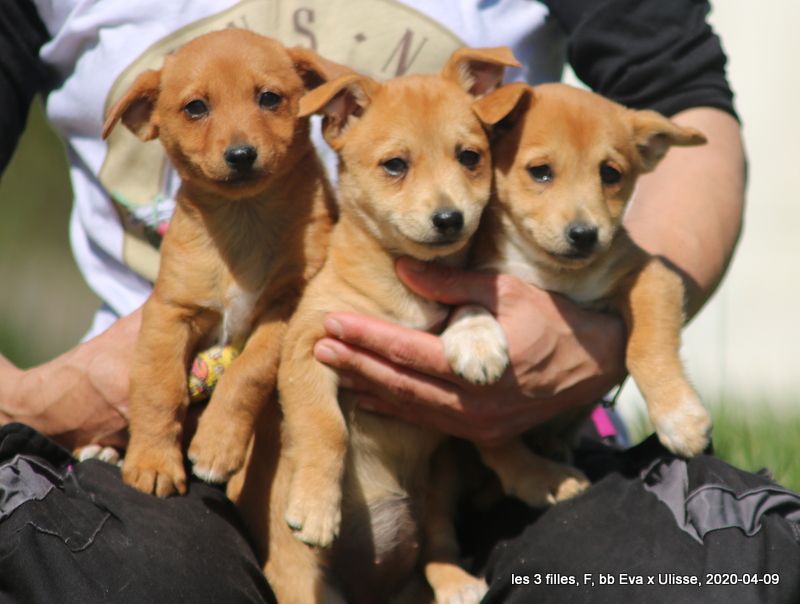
(123, 189)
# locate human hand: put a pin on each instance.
(80, 397)
(561, 356)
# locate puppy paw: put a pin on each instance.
(475, 345)
(218, 449)
(456, 586)
(155, 471)
(314, 510)
(571, 483)
(685, 428)
(553, 483)
(106, 454)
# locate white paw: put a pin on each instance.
(468, 593)
(560, 483)
(545, 483)
(106, 454)
(218, 449)
(209, 474)
(314, 517)
(218, 464)
(686, 429)
(475, 345)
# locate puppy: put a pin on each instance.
(566, 163)
(250, 227)
(415, 176)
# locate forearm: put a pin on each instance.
(689, 210)
(79, 397)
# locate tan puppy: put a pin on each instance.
(415, 176)
(250, 228)
(566, 163)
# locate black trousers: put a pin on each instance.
(651, 529)
(73, 532)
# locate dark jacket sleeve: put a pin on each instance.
(22, 73)
(655, 54)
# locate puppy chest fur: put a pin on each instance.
(237, 317)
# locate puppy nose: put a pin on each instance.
(582, 236)
(448, 222)
(240, 157)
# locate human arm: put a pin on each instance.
(80, 396)
(690, 210)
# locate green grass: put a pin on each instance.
(753, 440)
(750, 438)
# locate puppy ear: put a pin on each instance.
(341, 102)
(654, 134)
(502, 104)
(136, 107)
(314, 69)
(479, 70)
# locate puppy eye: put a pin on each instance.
(469, 158)
(395, 166)
(195, 109)
(610, 175)
(541, 173)
(269, 99)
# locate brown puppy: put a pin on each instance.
(566, 162)
(250, 227)
(415, 176)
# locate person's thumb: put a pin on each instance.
(449, 285)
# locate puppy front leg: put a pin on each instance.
(537, 481)
(223, 433)
(475, 345)
(316, 443)
(159, 399)
(653, 311)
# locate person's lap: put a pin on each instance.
(73, 532)
(649, 525)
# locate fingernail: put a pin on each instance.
(333, 327)
(325, 353)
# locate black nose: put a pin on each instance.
(448, 222)
(582, 236)
(240, 157)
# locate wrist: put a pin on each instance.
(603, 338)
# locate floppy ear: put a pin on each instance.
(502, 104)
(479, 70)
(654, 134)
(314, 69)
(136, 107)
(341, 102)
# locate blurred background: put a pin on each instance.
(45, 306)
(740, 350)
